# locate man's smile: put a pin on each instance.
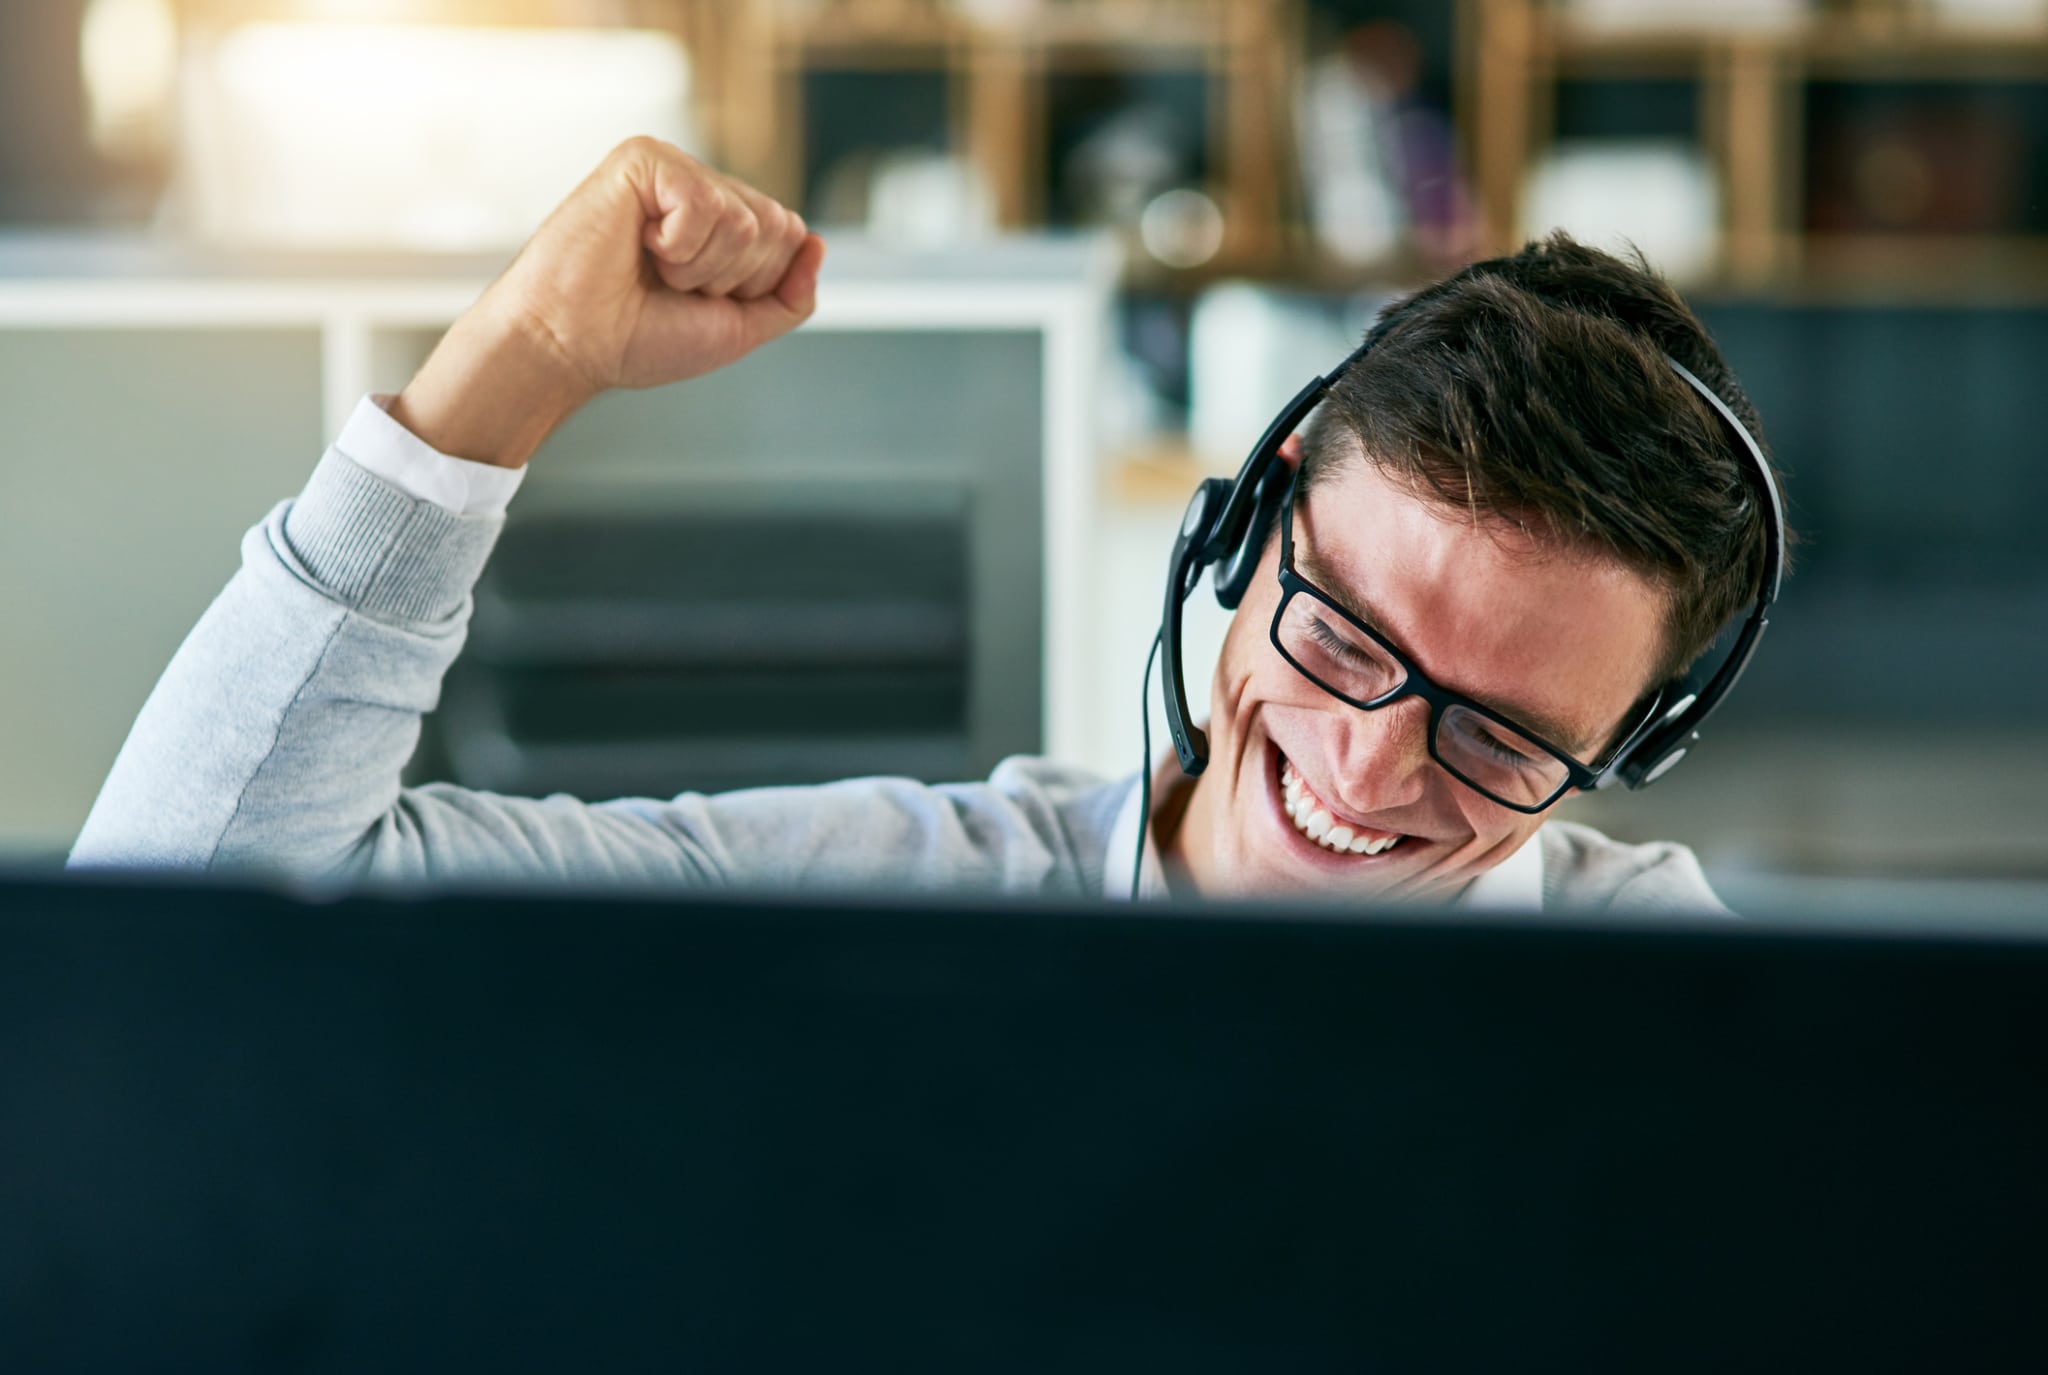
(1337, 843)
(1325, 825)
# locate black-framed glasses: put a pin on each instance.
(1506, 763)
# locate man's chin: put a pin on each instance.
(1245, 878)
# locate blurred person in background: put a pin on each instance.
(1510, 505)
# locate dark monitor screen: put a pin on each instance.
(245, 1131)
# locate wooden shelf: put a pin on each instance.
(1578, 50)
(1839, 268)
(2003, 269)
(996, 73)
(1068, 43)
(480, 13)
(1752, 84)
(1163, 473)
(1293, 261)
(831, 29)
(1829, 44)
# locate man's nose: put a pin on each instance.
(1383, 756)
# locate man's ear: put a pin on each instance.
(1290, 450)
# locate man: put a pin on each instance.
(1513, 488)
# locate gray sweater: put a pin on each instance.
(277, 736)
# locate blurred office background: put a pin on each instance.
(1084, 249)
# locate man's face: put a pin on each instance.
(1554, 638)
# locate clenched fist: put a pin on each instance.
(655, 269)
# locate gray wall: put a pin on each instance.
(131, 462)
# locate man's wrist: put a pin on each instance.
(492, 391)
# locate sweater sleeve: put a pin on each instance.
(277, 736)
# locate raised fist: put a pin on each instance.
(655, 269)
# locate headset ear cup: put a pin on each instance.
(1234, 574)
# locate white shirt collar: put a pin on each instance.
(1513, 885)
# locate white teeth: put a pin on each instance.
(1315, 821)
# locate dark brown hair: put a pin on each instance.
(1533, 390)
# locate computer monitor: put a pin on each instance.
(244, 1130)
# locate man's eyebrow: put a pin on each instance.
(1567, 737)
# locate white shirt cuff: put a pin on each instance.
(373, 440)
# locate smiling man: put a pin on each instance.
(1511, 522)
(1507, 527)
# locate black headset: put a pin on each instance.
(1228, 522)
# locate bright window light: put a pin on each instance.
(352, 136)
(128, 53)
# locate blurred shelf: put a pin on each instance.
(1062, 22)
(996, 69)
(1853, 42)
(604, 631)
(1753, 84)
(1581, 51)
(1844, 51)
(1051, 36)
(1162, 473)
(479, 13)
(1293, 259)
(860, 54)
(842, 31)
(1988, 269)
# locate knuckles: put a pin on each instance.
(645, 147)
(708, 202)
(743, 226)
(737, 220)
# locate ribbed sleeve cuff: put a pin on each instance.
(381, 552)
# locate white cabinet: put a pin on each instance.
(156, 404)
